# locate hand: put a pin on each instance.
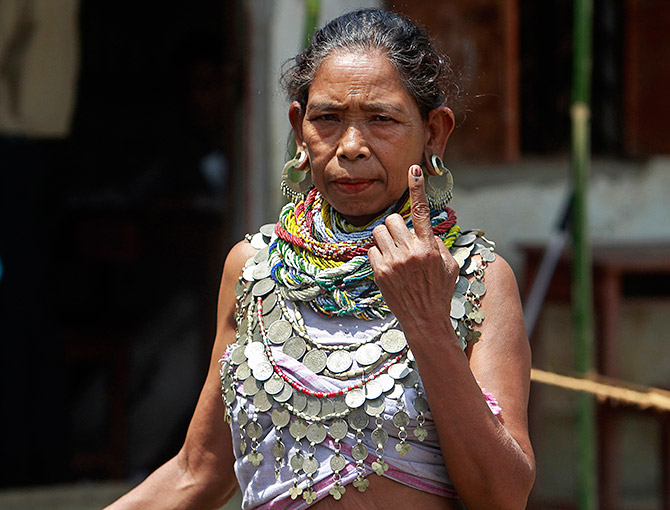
(413, 269)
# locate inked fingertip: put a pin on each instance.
(416, 171)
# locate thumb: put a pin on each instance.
(419, 203)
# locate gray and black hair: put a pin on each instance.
(425, 73)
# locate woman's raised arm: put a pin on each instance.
(201, 475)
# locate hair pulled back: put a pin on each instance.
(425, 73)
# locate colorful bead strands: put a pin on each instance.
(322, 260)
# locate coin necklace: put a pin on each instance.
(251, 375)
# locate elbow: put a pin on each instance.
(510, 494)
(211, 485)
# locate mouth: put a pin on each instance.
(352, 186)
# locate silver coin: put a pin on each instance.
(269, 302)
(460, 255)
(285, 394)
(398, 392)
(268, 229)
(339, 361)
(261, 271)
(462, 285)
(315, 360)
(339, 404)
(393, 341)
(263, 371)
(254, 350)
(488, 255)
(274, 385)
(359, 452)
(243, 371)
(358, 420)
(251, 386)
(280, 417)
(337, 462)
(239, 289)
(262, 401)
(375, 407)
(229, 396)
(465, 240)
(355, 398)
(373, 390)
(386, 382)
(368, 354)
(310, 465)
(295, 347)
(398, 370)
(469, 267)
(273, 315)
(254, 430)
(410, 379)
(478, 288)
(278, 450)
(327, 408)
(454, 323)
(421, 405)
(226, 383)
(279, 331)
(379, 437)
(297, 461)
(242, 417)
(410, 355)
(313, 406)
(316, 433)
(298, 428)
(263, 287)
(298, 401)
(237, 356)
(248, 273)
(457, 309)
(257, 241)
(338, 429)
(262, 255)
(401, 419)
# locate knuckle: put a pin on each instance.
(421, 210)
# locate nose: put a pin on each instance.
(353, 145)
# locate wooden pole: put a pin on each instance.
(582, 288)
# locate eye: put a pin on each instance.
(382, 118)
(328, 117)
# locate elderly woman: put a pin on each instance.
(357, 334)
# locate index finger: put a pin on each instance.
(419, 203)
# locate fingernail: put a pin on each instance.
(416, 171)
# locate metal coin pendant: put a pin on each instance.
(297, 461)
(298, 428)
(386, 382)
(337, 462)
(398, 392)
(263, 287)
(487, 255)
(316, 433)
(457, 308)
(262, 255)
(269, 302)
(393, 341)
(280, 417)
(242, 417)
(401, 419)
(239, 289)
(359, 452)
(339, 361)
(368, 354)
(251, 386)
(313, 406)
(273, 315)
(421, 405)
(355, 398)
(358, 420)
(262, 401)
(315, 360)
(285, 394)
(254, 350)
(373, 390)
(375, 407)
(478, 288)
(268, 229)
(274, 385)
(327, 408)
(278, 450)
(339, 404)
(299, 401)
(310, 465)
(263, 371)
(243, 371)
(410, 379)
(462, 285)
(338, 429)
(398, 371)
(254, 430)
(465, 240)
(279, 331)
(379, 437)
(248, 273)
(295, 347)
(261, 271)
(257, 241)
(237, 357)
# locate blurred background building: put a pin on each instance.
(139, 141)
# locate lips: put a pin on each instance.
(352, 186)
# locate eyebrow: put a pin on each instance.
(372, 107)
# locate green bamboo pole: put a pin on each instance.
(311, 20)
(582, 291)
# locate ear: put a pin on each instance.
(439, 125)
(295, 117)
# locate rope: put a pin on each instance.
(644, 397)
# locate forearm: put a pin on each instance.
(489, 468)
(175, 486)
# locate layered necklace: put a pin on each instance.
(312, 257)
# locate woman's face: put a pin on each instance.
(362, 131)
